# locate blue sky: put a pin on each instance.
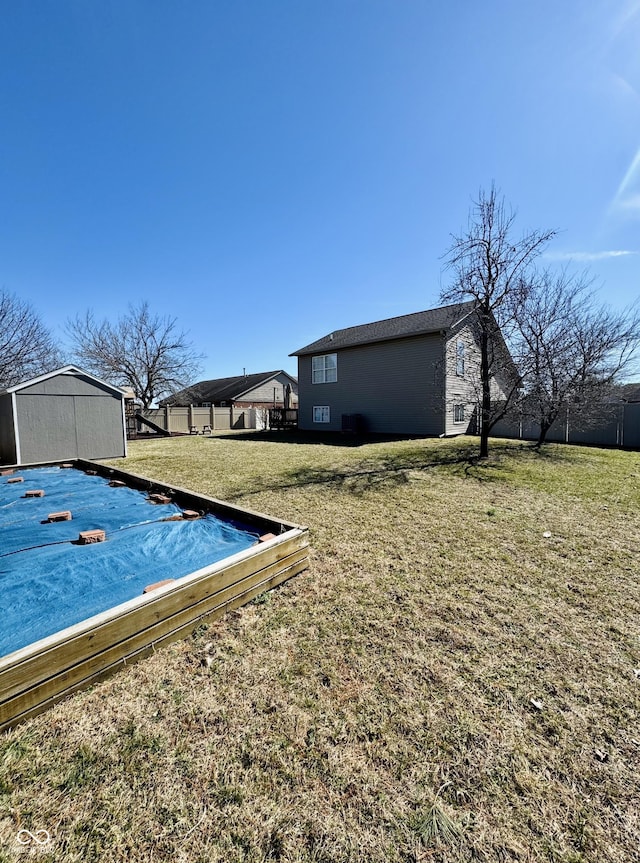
(269, 170)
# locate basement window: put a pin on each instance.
(321, 414)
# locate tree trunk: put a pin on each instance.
(485, 380)
(544, 428)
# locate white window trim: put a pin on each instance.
(458, 404)
(319, 411)
(321, 373)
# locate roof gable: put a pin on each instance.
(442, 318)
(66, 370)
(223, 389)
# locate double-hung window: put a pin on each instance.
(458, 413)
(324, 369)
(321, 414)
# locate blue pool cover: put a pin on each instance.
(48, 581)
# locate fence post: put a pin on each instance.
(167, 418)
(212, 416)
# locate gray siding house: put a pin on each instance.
(65, 414)
(261, 389)
(413, 374)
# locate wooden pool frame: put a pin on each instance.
(36, 676)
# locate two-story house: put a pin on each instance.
(413, 374)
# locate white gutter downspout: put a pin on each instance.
(16, 432)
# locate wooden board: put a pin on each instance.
(33, 678)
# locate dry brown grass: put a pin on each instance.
(444, 684)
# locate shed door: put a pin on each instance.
(46, 425)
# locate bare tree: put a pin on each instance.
(490, 266)
(571, 349)
(142, 350)
(27, 348)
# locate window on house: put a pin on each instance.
(460, 358)
(458, 413)
(324, 369)
(321, 414)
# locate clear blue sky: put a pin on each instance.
(269, 170)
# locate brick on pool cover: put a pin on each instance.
(16, 479)
(159, 498)
(87, 537)
(64, 515)
(117, 483)
(34, 492)
(266, 537)
(190, 513)
(150, 587)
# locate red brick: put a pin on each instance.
(117, 483)
(190, 513)
(159, 498)
(158, 584)
(88, 536)
(266, 537)
(64, 515)
(34, 492)
(16, 479)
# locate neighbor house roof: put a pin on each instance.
(630, 392)
(223, 389)
(416, 324)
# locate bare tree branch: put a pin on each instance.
(571, 350)
(27, 348)
(142, 350)
(490, 266)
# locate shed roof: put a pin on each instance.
(65, 370)
(223, 389)
(416, 324)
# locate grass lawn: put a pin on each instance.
(455, 678)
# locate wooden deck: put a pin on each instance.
(35, 677)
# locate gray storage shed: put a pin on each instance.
(65, 414)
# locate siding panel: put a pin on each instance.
(396, 387)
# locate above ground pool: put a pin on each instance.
(49, 580)
(99, 568)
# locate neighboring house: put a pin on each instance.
(414, 374)
(264, 389)
(630, 393)
(65, 414)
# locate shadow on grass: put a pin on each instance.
(394, 469)
(294, 436)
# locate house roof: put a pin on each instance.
(416, 324)
(630, 392)
(65, 370)
(223, 389)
